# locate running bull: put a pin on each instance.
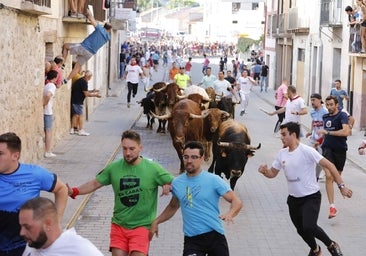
(231, 150)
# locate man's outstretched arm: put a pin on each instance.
(90, 18)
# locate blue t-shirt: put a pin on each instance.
(317, 122)
(334, 123)
(339, 94)
(96, 39)
(15, 189)
(199, 201)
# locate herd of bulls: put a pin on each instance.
(197, 115)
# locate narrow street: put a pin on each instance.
(263, 227)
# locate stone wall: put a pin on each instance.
(25, 41)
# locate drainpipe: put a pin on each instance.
(349, 88)
(320, 60)
(109, 54)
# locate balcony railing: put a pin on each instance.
(296, 23)
(282, 23)
(274, 24)
(331, 13)
(37, 7)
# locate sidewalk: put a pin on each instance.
(80, 158)
(353, 141)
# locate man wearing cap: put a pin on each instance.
(334, 132)
(316, 114)
(181, 79)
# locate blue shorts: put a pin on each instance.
(48, 121)
(77, 109)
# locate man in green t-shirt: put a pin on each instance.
(135, 181)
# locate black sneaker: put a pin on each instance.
(318, 253)
(335, 250)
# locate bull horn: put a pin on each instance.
(181, 97)
(203, 115)
(254, 148)
(224, 144)
(226, 114)
(206, 99)
(161, 89)
(163, 117)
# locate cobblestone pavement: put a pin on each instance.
(263, 226)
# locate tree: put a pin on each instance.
(244, 43)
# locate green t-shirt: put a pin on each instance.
(182, 80)
(135, 191)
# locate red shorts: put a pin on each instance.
(129, 240)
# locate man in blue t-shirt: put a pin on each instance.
(89, 47)
(338, 92)
(335, 132)
(20, 182)
(197, 193)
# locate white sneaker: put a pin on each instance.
(83, 133)
(72, 131)
(49, 154)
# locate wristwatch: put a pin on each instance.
(341, 185)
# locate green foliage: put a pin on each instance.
(181, 3)
(244, 43)
(170, 4)
(144, 5)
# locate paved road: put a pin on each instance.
(262, 228)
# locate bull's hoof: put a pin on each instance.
(162, 131)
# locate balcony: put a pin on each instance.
(273, 28)
(97, 7)
(36, 7)
(297, 24)
(331, 13)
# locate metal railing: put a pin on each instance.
(46, 3)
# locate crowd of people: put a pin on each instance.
(33, 225)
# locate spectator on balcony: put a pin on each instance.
(363, 24)
(354, 24)
(86, 49)
(77, 9)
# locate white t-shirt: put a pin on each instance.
(133, 73)
(245, 84)
(299, 169)
(68, 244)
(293, 106)
(221, 87)
(49, 87)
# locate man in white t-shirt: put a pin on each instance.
(49, 92)
(297, 161)
(41, 229)
(131, 75)
(245, 85)
(294, 108)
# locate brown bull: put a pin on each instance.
(213, 118)
(231, 150)
(185, 123)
